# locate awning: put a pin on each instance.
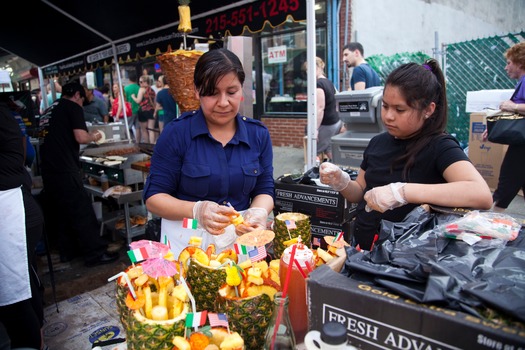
(72, 36)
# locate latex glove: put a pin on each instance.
(331, 175)
(386, 197)
(254, 218)
(212, 217)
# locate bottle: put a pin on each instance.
(280, 335)
(331, 337)
(104, 181)
(297, 285)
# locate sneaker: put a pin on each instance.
(105, 258)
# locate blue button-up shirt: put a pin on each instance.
(189, 164)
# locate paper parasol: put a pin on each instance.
(256, 238)
(154, 249)
(157, 267)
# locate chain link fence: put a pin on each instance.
(468, 66)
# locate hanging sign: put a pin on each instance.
(277, 54)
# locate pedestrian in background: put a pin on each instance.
(133, 89)
(68, 209)
(328, 122)
(512, 172)
(165, 106)
(363, 76)
(146, 100)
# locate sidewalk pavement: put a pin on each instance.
(289, 160)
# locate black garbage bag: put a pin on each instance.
(415, 260)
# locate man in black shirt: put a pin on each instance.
(69, 205)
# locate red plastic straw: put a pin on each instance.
(283, 296)
(299, 268)
(308, 266)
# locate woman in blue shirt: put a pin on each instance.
(212, 160)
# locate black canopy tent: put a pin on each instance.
(67, 37)
(51, 32)
(63, 35)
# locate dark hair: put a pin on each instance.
(354, 46)
(212, 66)
(420, 85)
(132, 76)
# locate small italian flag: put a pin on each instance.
(338, 237)
(241, 249)
(137, 255)
(196, 319)
(189, 223)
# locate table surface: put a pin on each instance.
(141, 166)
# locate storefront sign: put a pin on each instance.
(277, 54)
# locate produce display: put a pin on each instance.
(159, 297)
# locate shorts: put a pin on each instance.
(144, 116)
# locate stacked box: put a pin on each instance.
(329, 211)
(376, 318)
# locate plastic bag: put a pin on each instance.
(414, 259)
(481, 225)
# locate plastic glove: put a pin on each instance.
(331, 175)
(212, 217)
(386, 197)
(254, 218)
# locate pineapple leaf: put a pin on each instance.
(184, 2)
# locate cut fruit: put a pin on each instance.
(323, 254)
(195, 253)
(227, 254)
(258, 290)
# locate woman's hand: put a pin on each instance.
(212, 217)
(331, 175)
(386, 197)
(254, 218)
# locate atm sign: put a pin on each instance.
(277, 54)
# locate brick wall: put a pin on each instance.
(286, 132)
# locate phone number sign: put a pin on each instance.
(254, 16)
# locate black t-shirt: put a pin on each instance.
(13, 173)
(428, 168)
(60, 150)
(330, 116)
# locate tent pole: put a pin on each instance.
(122, 103)
(311, 143)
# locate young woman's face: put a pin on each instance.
(400, 120)
(223, 105)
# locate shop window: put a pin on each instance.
(283, 54)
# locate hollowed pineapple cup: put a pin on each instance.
(204, 283)
(248, 316)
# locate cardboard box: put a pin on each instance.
(322, 228)
(378, 319)
(319, 202)
(486, 156)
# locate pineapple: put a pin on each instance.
(204, 282)
(249, 316)
(302, 223)
(123, 311)
(143, 333)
